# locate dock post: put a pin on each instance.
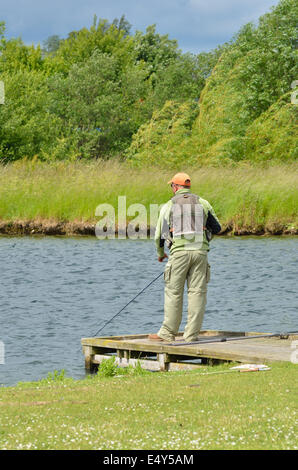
(89, 356)
(163, 360)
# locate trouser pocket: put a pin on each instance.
(208, 273)
(167, 273)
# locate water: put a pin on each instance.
(54, 291)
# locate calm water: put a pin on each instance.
(56, 290)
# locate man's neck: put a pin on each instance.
(182, 190)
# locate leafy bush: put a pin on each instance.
(109, 368)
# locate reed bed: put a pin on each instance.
(245, 198)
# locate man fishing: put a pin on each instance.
(186, 223)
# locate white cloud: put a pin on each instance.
(219, 6)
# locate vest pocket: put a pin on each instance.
(208, 273)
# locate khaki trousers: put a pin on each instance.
(193, 267)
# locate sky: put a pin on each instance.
(198, 25)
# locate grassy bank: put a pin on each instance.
(190, 410)
(63, 196)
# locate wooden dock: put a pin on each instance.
(156, 355)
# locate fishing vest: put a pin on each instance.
(187, 218)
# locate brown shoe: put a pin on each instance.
(155, 337)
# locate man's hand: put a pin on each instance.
(161, 258)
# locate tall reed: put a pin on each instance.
(243, 196)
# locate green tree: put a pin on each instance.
(122, 25)
(80, 45)
(183, 78)
(166, 139)
(250, 75)
(15, 55)
(100, 102)
(255, 70)
(154, 49)
(2, 31)
(52, 43)
(27, 128)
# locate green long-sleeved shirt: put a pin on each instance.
(180, 243)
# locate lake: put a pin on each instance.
(56, 290)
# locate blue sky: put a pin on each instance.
(198, 25)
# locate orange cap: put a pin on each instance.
(180, 178)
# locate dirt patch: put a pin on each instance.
(46, 227)
(71, 228)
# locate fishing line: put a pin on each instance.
(118, 313)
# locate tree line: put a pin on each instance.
(104, 92)
(86, 95)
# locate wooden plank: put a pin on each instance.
(179, 335)
(135, 340)
(140, 345)
(217, 350)
(147, 363)
(254, 350)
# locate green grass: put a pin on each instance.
(243, 196)
(253, 410)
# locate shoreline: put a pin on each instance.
(66, 199)
(51, 227)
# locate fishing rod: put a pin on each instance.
(225, 339)
(118, 313)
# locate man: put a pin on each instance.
(190, 222)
